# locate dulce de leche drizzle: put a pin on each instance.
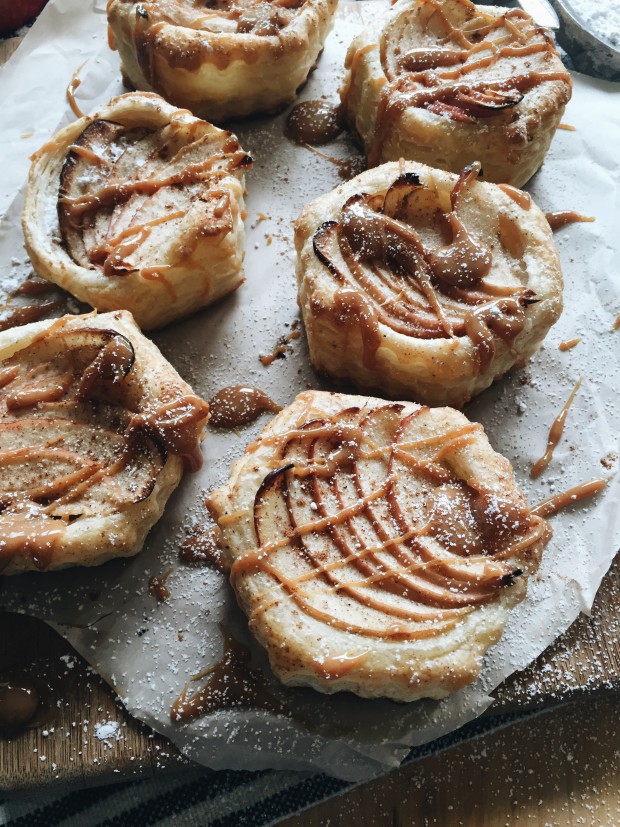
(580, 492)
(371, 560)
(203, 548)
(562, 218)
(387, 273)
(235, 18)
(555, 434)
(122, 189)
(72, 444)
(237, 405)
(232, 683)
(474, 65)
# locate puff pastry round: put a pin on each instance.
(95, 430)
(425, 285)
(447, 83)
(139, 207)
(220, 59)
(376, 547)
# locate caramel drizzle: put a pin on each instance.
(74, 83)
(113, 194)
(583, 491)
(444, 89)
(391, 278)
(252, 17)
(561, 218)
(88, 154)
(523, 199)
(176, 12)
(53, 389)
(569, 343)
(115, 251)
(367, 531)
(555, 434)
(111, 255)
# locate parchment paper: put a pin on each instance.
(108, 615)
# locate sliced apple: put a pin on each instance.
(76, 469)
(82, 173)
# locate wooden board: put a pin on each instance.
(585, 660)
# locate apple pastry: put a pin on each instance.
(448, 83)
(221, 59)
(376, 547)
(139, 207)
(425, 285)
(96, 428)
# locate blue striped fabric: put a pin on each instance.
(202, 797)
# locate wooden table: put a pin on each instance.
(561, 767)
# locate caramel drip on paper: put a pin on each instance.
(237, 405)
(555, 434)
(584, 491)
(203, 548)
(158, 586)
(281, 347)
(386, 275)
(74, 83)
(81, 444)
(562, 218)
(569, 343)
(231, 683)
(418, 567)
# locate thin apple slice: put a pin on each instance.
(80, 348)
(86, 168)
(137, 161)
(73, 468)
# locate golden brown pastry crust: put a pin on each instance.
(139, 206)
(224, 60)
(416, 283)
(447, 83)
(376, 547)
(95, 429)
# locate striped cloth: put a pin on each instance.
(205, 798)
